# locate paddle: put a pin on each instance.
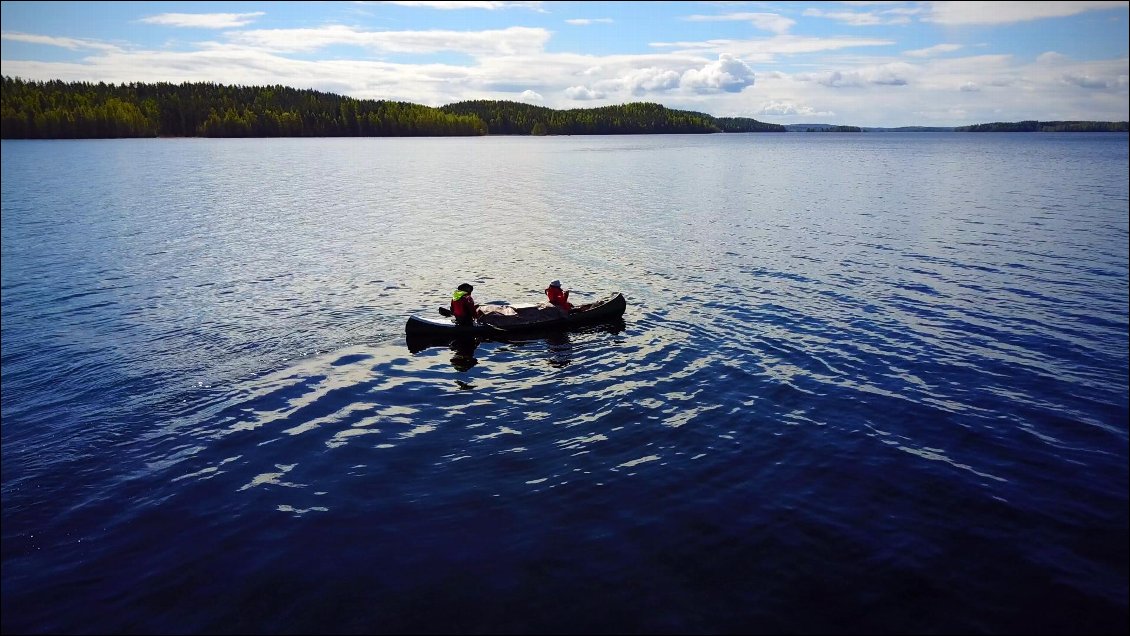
(445, 312)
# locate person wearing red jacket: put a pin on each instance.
(557, 296)
(463, 307)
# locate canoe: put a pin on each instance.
(521, 319)
(465, 345)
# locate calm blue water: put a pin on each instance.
(865, 384)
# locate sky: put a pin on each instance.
(877, 64)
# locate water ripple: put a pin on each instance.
(840, 392)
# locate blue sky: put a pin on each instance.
(852, 63)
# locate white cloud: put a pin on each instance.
(764, 21)
(583, 93)
(933, 50)
(727, 74)
(1090, 75)
(862, 19)
(833, 79)
(510, 41)
(969, 87)
(647, 80)
(696, 47)
(531, 97)
(1084, 80)
(767, 50)
(466, 4)
(890, 75)
(73, 44)
(895, 74)
(788, 109)
(1008, 12)
(586, 21)
(203, 20)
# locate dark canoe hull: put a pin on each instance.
(610, 308)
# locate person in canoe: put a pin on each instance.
(463, 307)
(558, 297)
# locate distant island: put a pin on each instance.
(84, 110)
(821, 128)
(1023, 126)
(1049, 126)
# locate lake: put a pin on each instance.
(865, 383)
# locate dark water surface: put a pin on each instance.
(865, 383)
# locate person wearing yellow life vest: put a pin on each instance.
(463, 307)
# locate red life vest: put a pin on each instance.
(558, 297)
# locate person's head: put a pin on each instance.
(466, 287)
(556, 284)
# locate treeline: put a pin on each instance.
(840, 129)
(1048, 126)
(79, 110)
(514, 118)
(745, 124)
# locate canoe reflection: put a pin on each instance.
(558, 344)
(463, 357)
(559, 349)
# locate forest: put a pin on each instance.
(83, 110)
(1048, 126)
(80, 110)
